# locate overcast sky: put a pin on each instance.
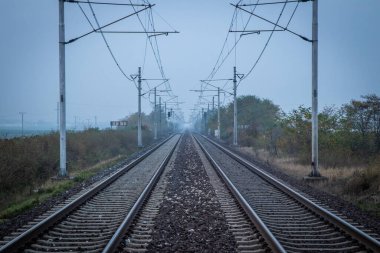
(349, 56)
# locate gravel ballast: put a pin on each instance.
(190, 218)
(333, 202)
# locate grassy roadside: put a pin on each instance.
(358, 185)
(52, 188)
(27, 164)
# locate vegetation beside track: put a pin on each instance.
(27, 164)
(349, 143)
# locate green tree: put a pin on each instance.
(362, 119)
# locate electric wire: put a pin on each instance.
(273, 23)
(156, 50)
(291, 17)
(146, 45)
(150, 17)
(215, 70)
(235, 34)
(108, 47)
(104, 26)
(167, 85)
(269, 3)
(266, 45)
(164, 19)
(158, 61)
(85, 15)
(104, 3)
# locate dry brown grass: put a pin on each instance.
(290, 166)
(359, 185)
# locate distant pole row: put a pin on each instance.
(314, 147)
(62, 96)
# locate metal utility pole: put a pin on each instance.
(62, 91)
(155, 113)
(206, 115)
(202, 120)
(218, 113)
(235, 111)
(160, 116)
(166, 122)
(139, 136)
(314, 139)
(213, 102)
(22, 123)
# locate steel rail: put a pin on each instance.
(270, 239)
(123, 228)
(365, 239)
(21, 240)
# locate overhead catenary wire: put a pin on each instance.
(85, 15)
(276, 24)
(265, 46)
(216, 69)
(221, 62)
(154, 52)
(108, 47)
(106, 3)
(104, 26)
(98, 28)
(164, 20)
(294, 11)
(146, 45)
(155, 47)
(270, 3)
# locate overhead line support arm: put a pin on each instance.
(292, 1)
(103, 3)
(100, 28)
(276, 25)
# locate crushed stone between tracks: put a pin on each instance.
(190, 218)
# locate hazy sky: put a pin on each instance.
(349, 56)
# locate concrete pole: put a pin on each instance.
(166, 121)
(202, 121)
(155, 113)
(235, 112)
(62, 91)
(160, 116)
(139, 135)
(218, 113)
(206, 118)
(314, 139)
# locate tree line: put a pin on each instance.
(348, 135)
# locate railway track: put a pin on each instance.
(247, 237)
(96, 219)
(285, 218)
(120, 212)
